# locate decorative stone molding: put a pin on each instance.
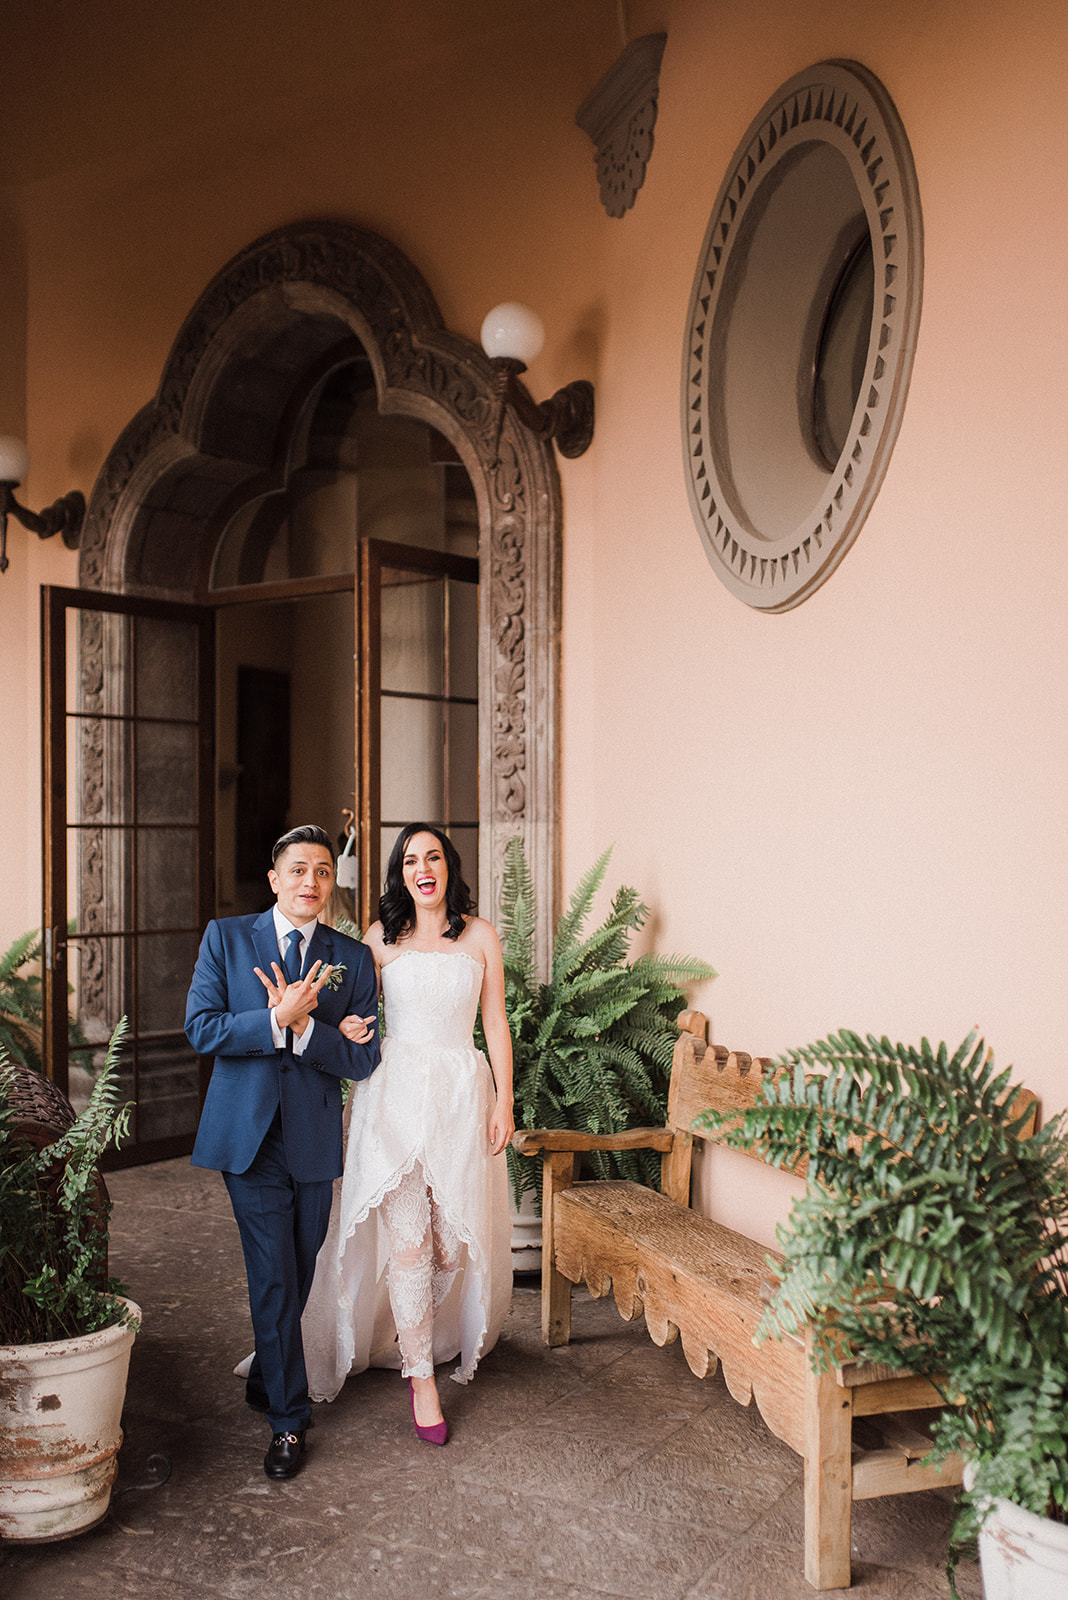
(619, 116)
(823, 171)
(100, 775)
(275, 311)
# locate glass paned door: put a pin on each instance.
(128, 840)
(418, 719)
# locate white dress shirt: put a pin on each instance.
(283, 928)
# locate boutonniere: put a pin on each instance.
(334, 976)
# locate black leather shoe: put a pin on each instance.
(283, 1458)
(256, 1398)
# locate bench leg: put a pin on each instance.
(558, 1172)
(828, 1481)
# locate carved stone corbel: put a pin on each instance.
(619, 115)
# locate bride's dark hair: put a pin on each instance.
(396, 908)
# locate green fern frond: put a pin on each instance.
(570, 921)
(21, 1006)
(673, 970)
(517, 919)
(102, 1122)
(23, 950)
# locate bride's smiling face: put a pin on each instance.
(426, 877)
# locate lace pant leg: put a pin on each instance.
(407, 1218)
(447, 1247)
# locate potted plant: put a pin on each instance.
(934, 1236)
(65, 1330)
(591, 1043)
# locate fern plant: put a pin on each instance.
(592, 1045)
(932, 1236)
(21, 1005)
(53, 1226)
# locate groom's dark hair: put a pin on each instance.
(307, 834)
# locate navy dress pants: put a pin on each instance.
(282, 1225)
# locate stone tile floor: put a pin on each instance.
(597, 1471)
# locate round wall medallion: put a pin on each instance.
(801, 333)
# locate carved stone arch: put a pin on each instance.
(277, 315)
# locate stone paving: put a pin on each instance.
(600, 1471)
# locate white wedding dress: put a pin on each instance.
(427, 1105)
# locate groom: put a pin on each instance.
(267, 997)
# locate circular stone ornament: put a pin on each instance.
(801, 330)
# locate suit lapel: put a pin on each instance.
(323, 947)
(265, 943)
(320, 946)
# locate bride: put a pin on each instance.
(416, 1267)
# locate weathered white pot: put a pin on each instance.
(60, 1410)
(1022, 1556)
(526, 1236)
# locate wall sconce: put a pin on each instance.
(512, 336)
(64, 516)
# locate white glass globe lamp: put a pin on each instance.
(514, 331)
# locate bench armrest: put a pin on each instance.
(528, 1141)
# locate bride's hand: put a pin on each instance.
(501, 1126)
(357, 1029)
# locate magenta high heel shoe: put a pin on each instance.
(437, 1433)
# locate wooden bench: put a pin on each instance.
(860, 1428)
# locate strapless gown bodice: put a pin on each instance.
(429, 1102)
(431, 998)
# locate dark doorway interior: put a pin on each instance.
(285, 699)
(263, 736)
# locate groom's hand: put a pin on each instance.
(357, 1029)
(294, 1002)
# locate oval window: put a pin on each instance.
(800, 335)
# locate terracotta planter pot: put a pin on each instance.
(60, 1412)
(1022, 1556)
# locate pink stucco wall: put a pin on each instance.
(854, 810)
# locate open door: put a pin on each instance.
(417, 733)
(128, 703)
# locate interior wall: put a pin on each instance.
(323, 754)
(854, 809)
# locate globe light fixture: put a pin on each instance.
(512, 336)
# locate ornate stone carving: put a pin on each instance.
(302, 290)
(99, 780)
(619, 115)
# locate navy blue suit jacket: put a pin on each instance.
(227, 1017)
